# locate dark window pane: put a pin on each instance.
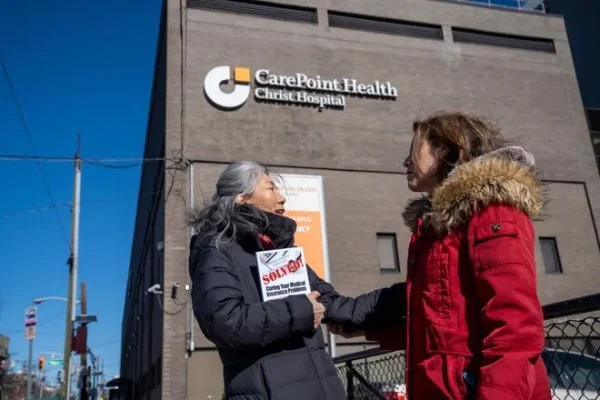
(558, 361)
(593, 119)
(582, 372)
(384, 25)
(547, 357)
(258, 9)
(596, 142)
(464, 35)
(388, 252)
(550, 255)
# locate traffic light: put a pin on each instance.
(59, 376)
(42, 363)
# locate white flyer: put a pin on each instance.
(282, 273)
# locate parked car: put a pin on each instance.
(573, 376)
(389, 391)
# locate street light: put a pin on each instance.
(40, 300)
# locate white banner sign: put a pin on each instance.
(282, 273)
(305, 204)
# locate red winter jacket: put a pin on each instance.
(474, 323)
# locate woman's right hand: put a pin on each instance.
(337, 329)
(318, 308)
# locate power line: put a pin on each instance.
(95, 161)
(20, 157)
(44, 322)
(104, 165)
(30, 139)
(105, 344)
(102, 162)
(35, 210)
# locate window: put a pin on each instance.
(264, 9)
(596, 143)
(576, 371)
(388, 252)
(593, 117)
(553, 374)
(384, 25)
(583, 372)
(463, 35)
(550, 255)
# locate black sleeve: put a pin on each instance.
(379, 308)
(224, 317)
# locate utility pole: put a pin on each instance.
(83, 392)
(94, 376)
(73, 265)
(30, 332)
(97, 380)
(30, 370)
(102, 380)
(42, 382)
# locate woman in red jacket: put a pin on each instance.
(474, 323)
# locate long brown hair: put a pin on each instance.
(456, 138)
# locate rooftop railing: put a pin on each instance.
(523, 5)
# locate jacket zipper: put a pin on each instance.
(409, 300)
(412, 273)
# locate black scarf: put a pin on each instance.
(278, 228)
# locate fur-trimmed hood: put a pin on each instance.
(505, 176)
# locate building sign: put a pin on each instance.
(305, 204)
(296, 89)
(223, 75)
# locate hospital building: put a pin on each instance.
(325, 92)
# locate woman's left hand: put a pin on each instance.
(318, 308)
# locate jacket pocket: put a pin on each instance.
(287, 374)
(248, 384)
(442, 372)
(496, 244)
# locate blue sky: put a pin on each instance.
(76, 67)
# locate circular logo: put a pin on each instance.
(224, 74)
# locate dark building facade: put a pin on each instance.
(581, 20)
(392, 61)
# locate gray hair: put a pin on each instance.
(220, 217)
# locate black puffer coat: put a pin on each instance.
(270, 350)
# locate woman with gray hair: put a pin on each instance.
(271, 350)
